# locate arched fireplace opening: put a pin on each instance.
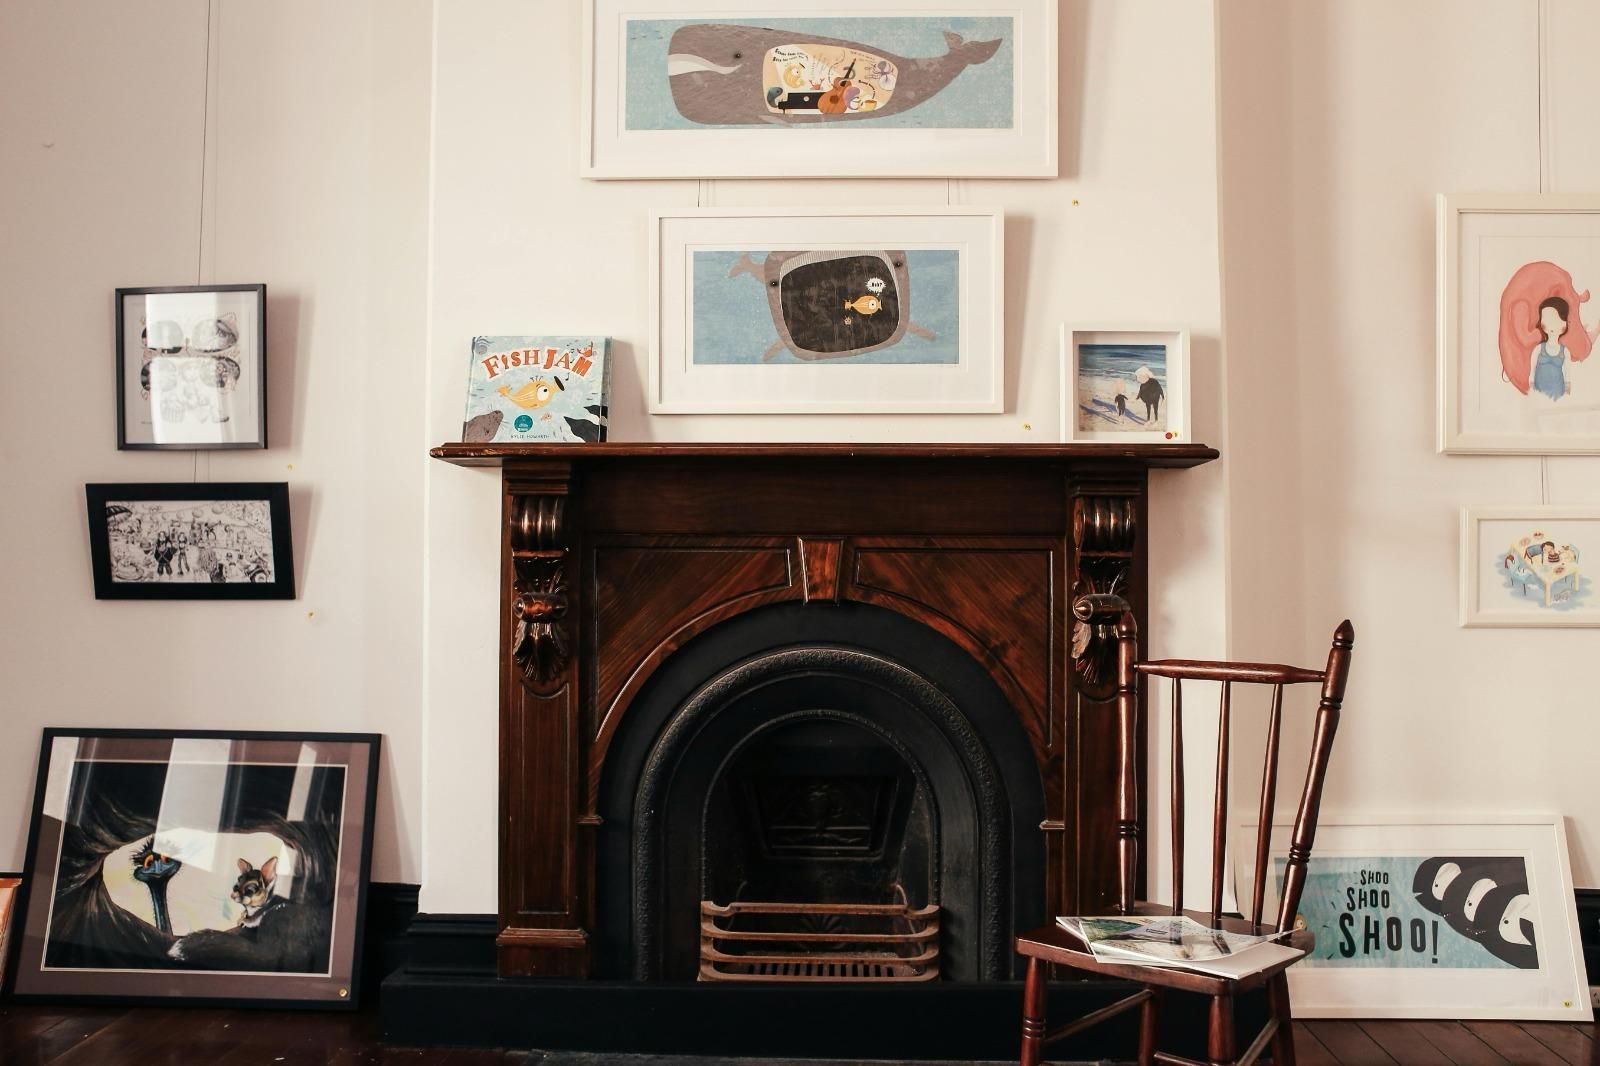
(819, 755)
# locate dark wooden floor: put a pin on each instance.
(113, 1036)
(1321, 1043)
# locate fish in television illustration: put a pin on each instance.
(834, 304)
(724, 74)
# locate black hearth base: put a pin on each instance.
(942, 1021)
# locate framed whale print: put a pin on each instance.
(827, 311)
(1530, 566)
(1412, 919)
(1517, 333)
(769, 89)
(222, 867)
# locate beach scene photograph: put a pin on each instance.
(1122, 387)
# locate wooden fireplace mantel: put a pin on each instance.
(615, 556)
(1145, 455)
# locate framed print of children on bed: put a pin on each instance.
(898, 88)
(1516, 331)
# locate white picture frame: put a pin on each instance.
(1504, 584)
(1500, 257)
(724, 341)
(1087, 411)
(968, 135)
(1372, 978)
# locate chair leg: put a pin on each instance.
(1033, 1008)
(1149, 1020)
(1283, 1039)
(1222, 1041)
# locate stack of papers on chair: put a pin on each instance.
(1177, 941)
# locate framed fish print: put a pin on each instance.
(203, 866)
(808, 311)
(192, 367)
(768, 89)
(1125, 385)
(1517, 371)
(1417, 920)
(1530, 566)
(191, 541)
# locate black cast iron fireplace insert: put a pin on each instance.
(850, 766)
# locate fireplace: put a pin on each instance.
(805, 713)
(822, 757)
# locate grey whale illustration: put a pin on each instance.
(808, 294)
(716, 71)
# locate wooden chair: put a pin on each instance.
(1052, 944)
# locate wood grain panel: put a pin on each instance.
(650, 595)
(1460, 1046)
(825, 497)
(1572, 1043)
(993, 597)
(1512, 1044)
(1404, 1043)
(1350, 1044)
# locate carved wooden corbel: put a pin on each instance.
(1105, 533)
(541, 639)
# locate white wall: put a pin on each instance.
(313, 127)
(521, 244)
(1339, 124)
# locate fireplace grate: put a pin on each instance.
(854, 942)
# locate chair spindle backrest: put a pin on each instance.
(1331, 680)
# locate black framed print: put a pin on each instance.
(219, 867)
(192, 367)
(191, 541)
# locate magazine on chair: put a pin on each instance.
(1177, 941)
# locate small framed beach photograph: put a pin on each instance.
(804, 310)
(1125, 385)
(192, 367)
(771, 89)
(228, 868)
(191, 541)
(1529, 566)
(1411, 919)
(1516, 331)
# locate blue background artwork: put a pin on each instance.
(1572, 593)
(1339, 922)
(1101, 367)
(733, 322)
(979, 98)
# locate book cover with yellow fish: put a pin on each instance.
(538, 389)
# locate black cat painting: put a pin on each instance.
(218, 867)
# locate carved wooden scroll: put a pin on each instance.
(1105, 533)
(541, 636)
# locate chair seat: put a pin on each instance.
(1054, 944)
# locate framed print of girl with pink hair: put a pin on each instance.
(1517, 333)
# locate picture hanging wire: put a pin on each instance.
(1543, 67)
(213, 14)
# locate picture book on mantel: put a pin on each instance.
(538, 390)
